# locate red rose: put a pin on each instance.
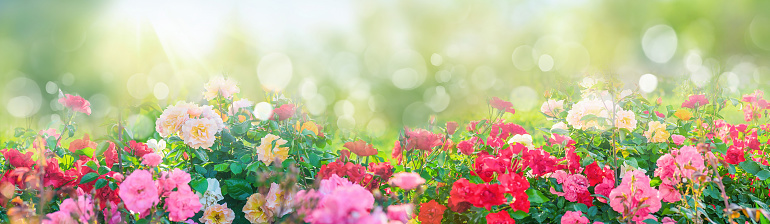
(396, 154)
(513, 183)
(76, 103)
(111, 155)
(541, 162)
(462, 189)
(383, 169)
(735, 156)
(695, 101)
(465, 147)
(54, 176)
(487, 195)
(361, 148)
(422, 139)
(431, 212)
(284, 111)
(137, 148)
(18, 160)
(502, 105)
(521, 202)
(458, 205)
(451, 127)
(597, 175)
(501, 217)
(354, 172)
(79, 144)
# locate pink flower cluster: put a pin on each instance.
(575, 187)
(79, 210)
(76, 103)
(675, 166)
(755, 105)
(634, 198)
(140, 193)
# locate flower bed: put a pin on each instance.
(611, 156)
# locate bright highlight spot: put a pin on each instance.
(263, 111)
(659, 43)
(648, 83)
(274, 71)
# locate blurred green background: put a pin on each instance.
(368, 66)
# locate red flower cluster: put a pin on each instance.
(755, 106)
(371, 178)
(18, 160)
(597, 175)
(421, 139)
(361, 148)
(431, 212)
(137, 148)
(501, 217)
(695, 101)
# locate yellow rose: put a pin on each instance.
(682, 114)
(657, 132)
(307, 126)
(255, 209)
(268, 152)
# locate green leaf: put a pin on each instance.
(651, 221)
(580, 207)
(241, 128)
(314, 159)
(750, 166)
(763, 174)
(91, 164)
(238, 188)
(103, 170)
(592, 211)
(518, 214)
(199, 185)
(731, 169)
(200, 170)
(101, 148)
(536, 196)
(86, 152)
(201, 155)
(221, 167)
(88, 178)
(100, 183)
(236, 168)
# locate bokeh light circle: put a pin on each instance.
(274, 71)
(648, 83)
(263, 111)
(22, 97)
(160, 91)
(659, 43)
(416, 114)
(524, 98)
(545, 63)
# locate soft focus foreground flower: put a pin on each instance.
(220, 85)
(76, 103)
(182, 204)
(584, 108)
(524, 139)
(407, 181)
(402, 212)
(422, 139)
(59, 217)
(361, 148)
(199, 133)
(755, 105)
(151, 159)
(17, 159)
(451, 127)
(344, 204)
(431, 212)
(571, 217)
(657, 132)
(268, 152)
(218, 214)
(501, 217)
(138, 192)
(238, 106)
(213, 194)
(695, 101)
(625, 119)
(278, 201)
(255, 209)
(552, 108)
(81, 207)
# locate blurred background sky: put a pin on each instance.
(368, 65)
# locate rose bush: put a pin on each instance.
(611, 156)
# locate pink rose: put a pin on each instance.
(138, 192)
(151, 159)
(571, 217)
(678, 139)
(401, 212)
(76, 103)
(182, 204)
(407, 181)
